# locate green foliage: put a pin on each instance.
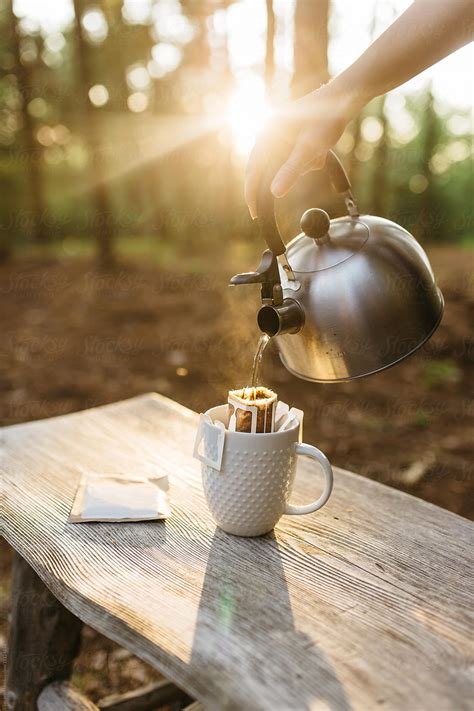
(440, 372)
(169, 171)
(422, 418)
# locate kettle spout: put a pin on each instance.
(287, 317)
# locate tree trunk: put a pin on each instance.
(357, 123)
(310, 46)
(352, 162)
(425, 221)
(269, 51)
(103, 219)
(380, 172)
(32, 148)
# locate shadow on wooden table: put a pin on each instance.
(246, 630)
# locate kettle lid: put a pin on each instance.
(324, 244)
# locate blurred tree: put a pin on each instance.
(310, 52)
(199, 50)
(117, 43)
(356, 133)
(310, 46)
(380, 174)
(269, 50)
(175, 57)
(103, 218)
(226, 168)
(33, 152)
(427, 219)
(357, 122)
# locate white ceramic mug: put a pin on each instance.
(249, 489)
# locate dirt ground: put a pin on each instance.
(75, 337)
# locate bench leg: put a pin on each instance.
(43, 641)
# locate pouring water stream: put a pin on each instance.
(262, 344)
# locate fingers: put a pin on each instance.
(318, 163)
(303, 158)
(299, 137)
(271, 142)
(307, 154)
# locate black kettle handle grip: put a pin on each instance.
(337, 173)
(266, 202)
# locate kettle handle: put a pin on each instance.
(266, 203)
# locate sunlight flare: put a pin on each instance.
(247, 111)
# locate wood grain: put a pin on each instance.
(365, 603)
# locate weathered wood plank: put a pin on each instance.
(62, 696)
(146, 698)
(367, 602)
(43, 641)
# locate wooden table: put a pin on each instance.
(366, 604)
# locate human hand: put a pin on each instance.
(305, 130)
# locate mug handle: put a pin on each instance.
(315, 453)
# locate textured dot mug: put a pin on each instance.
(250, 491)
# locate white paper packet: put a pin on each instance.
(118, 498)
(289, 418)
(215, 438)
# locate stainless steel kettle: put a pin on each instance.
(347, 297)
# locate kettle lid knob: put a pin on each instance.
(315, 223)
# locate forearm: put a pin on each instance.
(425, 33)
(306, 129)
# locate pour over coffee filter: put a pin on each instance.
(252, 410)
